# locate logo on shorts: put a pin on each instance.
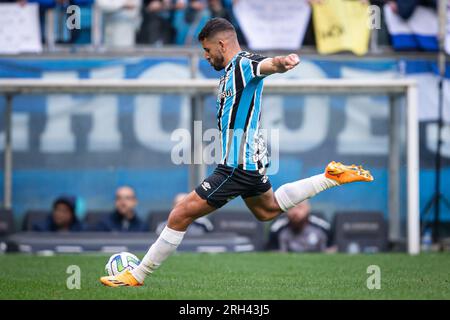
(264, 179)
(206, 186)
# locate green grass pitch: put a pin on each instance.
(235, 276)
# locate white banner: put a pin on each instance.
(19, 28)
(269, 24)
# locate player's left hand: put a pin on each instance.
(291, 60)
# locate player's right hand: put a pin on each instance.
(291, 60)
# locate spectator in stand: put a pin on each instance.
(121, 20)
(190, 21)
(60, 14)
(218, 10)
(62, 33)
(228, 6)
(412, 31)
(62, 219)
(82, 35)
(405, 8)
(124, 217)
(299, 231)
(157, 21)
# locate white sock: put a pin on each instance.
(291, 194)
(164, 246)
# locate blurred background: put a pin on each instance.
(75, 152)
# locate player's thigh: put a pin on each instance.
(220, 187)
(264, 206)
(189, 209)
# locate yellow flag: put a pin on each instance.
(341, 25)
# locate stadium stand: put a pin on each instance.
(242, 223)
(92, 218)
(155, 218)
(184, 21)
(161, 24)
(6, 222)
(33, 216)
(359, 231)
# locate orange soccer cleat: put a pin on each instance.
(124, 279)
(346, 174)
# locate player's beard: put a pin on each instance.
(218, 64)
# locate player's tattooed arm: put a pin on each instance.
(279, 64)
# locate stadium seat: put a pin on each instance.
(319, 219)
(33, 216)
(360, 231)
(241, 223)
(155, 218)
(92, 218)
(6, 222)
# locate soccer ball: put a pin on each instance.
(120, 262)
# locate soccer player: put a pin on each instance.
(244, 158)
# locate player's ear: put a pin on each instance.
(222, 45)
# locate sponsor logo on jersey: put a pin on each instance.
(225, 94)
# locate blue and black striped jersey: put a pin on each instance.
(239, 113)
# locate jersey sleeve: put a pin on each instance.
(250, 65)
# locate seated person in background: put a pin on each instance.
(298, 231)
(62, 218)
(124, 217)
(199, 226)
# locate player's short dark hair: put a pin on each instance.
(215, 26)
